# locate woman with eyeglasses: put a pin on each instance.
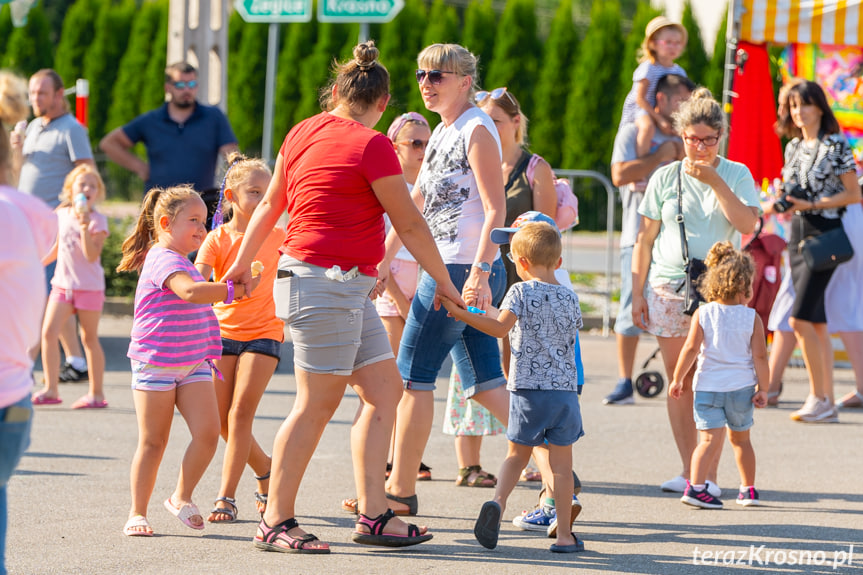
(719, 203)
(336, 177)
(460, 189)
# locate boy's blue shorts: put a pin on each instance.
(539, 415)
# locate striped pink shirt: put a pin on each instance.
(166, 330)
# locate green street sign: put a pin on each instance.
(274, 10)
(358, 10)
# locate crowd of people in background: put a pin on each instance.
(468, 205)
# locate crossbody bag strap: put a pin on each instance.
(683, 245)
(519, 168)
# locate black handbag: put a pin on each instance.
(693, 267)
(826, 251)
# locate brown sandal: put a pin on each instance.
(482, 478)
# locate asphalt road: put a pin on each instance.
(69, 499)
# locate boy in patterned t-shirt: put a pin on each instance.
(541, 317)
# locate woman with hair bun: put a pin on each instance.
(336, 177)
(719, 203)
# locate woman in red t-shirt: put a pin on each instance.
(336, 176)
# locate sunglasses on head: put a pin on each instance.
(434, 76)
(495, 95)
(416, 144)
(183, 85)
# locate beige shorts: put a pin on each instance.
(665, 308)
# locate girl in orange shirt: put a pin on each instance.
(251, 333)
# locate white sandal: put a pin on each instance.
(852, 401)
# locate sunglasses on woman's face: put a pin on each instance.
(434, 76)
(495, 95)
(415, 144)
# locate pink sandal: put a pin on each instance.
(376, 535)
(185, 514)
(276, 538)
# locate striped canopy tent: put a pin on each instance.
(831, 22)
(828, 24)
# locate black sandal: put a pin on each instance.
(230, 512)
(411, 501)
(276, 538)
(376, 535)
(262, 497)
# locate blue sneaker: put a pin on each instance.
(748, 497)
(622, 394)
(537, 520)
(701, 498)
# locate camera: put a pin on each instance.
(792, 189)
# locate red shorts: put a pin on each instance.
(88, 300)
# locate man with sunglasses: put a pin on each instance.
(184, 138)
(630, 174)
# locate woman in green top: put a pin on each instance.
(720, 203)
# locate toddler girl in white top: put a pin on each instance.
(732, 374)
(78, 287)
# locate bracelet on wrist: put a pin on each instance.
(230, 296)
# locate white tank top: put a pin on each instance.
(452, 206)
(725, 360)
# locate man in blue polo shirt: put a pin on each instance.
(184, 137)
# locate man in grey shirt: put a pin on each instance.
(630, 173)
(52, 146)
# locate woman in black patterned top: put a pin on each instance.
(818, 159)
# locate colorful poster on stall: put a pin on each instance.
(839, 71)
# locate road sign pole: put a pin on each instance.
(364, 32)
(270, 91)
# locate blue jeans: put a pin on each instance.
(623, 324)
(430, 335)
(14, 439)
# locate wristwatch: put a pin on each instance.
(484, 267)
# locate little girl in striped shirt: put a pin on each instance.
(175, 338)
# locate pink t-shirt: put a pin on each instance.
(26, 236)
(166, 330)
(73, 271)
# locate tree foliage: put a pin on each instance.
(131, 75)
(478, 33)
(589, 131)
(298, 43)
(5, 26)
(551, 93)
(77, 33)
(517, 52)
(315, 69)
(694, 58)
(249, 83)
(716, 73)
(29, 48)
(153, 93)
(102, 59)
(399, 45)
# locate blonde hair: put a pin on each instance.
(67, 196)
(729, 273)
(240, 169)
(509, 105)
(539, 243)
(360, 82)
(700, 108)
(13, 98)
(158, 202)
(451, 58)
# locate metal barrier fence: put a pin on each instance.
(571, 175)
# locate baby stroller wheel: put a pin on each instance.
(649, 384)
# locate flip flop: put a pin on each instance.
(487, 527)
(575, 548)
(40, 399)
(185, 514)
(87, 402)
(137, 521)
